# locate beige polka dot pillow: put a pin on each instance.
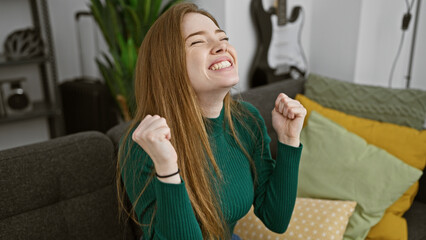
(312, 219)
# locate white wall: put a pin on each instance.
(216, 8)
(419, 70)
(23, 132)
(62, 14)
(379, 39)
(242, 37)
(334, 37)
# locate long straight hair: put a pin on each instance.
(162, 87)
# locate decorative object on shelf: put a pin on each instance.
(14, 99)
(124, 25)
(23, 44)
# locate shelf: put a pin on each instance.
(6, 63)
(49, 106)
(40, 109)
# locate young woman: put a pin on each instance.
(194, 160)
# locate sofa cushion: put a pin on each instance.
(400, 106)
(403, 142)
(337, 164)
(60, 189)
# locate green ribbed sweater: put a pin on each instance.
(273, 198)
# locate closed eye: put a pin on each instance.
(200, 41)
(196, 42)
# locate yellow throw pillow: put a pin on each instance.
(311, 219)
(405, 143)
(394, 226)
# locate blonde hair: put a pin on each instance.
(162, 87)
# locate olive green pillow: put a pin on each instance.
(337, 164)
(405, 107)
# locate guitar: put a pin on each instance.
(279, 54)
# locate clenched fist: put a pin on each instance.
(287, 119)
(153, 135)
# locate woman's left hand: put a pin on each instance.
(287, 119)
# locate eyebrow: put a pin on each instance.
(203, 32)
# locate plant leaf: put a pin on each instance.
(155, 11)
(124, 24)
(147, 9)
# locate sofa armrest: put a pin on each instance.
(59, 189)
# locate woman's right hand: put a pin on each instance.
(153, 135)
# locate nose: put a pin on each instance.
(219, 47)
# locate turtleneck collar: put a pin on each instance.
(215, 126)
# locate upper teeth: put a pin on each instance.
(220, 65)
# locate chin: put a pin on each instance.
(231, 79)
(236, 81)
(229, 83)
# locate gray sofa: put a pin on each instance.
(64, 188)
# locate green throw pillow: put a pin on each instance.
(337, 164)
(405, 107)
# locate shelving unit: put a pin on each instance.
(50, 106)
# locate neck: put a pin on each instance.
(211, 105)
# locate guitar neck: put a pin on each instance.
(282, 12)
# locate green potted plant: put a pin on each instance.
(124, 24)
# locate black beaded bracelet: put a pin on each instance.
(166, 176)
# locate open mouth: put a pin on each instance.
(220, 65)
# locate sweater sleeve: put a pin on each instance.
(276, 188)
(174, 217)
